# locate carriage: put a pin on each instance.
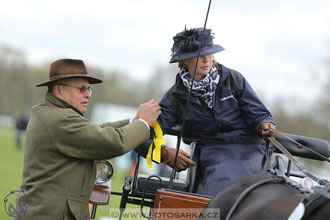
(276, 194)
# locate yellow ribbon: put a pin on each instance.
(157, 142)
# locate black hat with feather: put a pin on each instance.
(186, 44)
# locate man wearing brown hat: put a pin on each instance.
(61, 145)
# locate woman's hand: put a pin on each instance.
(265, 129)
(182, 163)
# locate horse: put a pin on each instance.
(274, 195)
(269, 196)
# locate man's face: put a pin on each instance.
(74, 91)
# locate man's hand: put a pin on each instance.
(182, 162)
(148, 111)
(265, 129)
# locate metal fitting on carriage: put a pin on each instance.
(307, 184)
(104, 172)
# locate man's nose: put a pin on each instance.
(88, 94)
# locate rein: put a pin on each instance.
(282, 149)
(299, 144)
(312, 202)
(248, 190)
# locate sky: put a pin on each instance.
(277, 45)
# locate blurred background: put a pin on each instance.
(281, 47)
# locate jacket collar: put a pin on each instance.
(50, 97)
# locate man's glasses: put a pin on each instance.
(82, 89)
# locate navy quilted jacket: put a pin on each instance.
(225, 133)
(236, 117)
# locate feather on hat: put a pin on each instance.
(186, 44)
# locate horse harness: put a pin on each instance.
(282, 149)
(312, 201)
(315, 200)
(273, 178)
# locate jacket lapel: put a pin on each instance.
(51, 98)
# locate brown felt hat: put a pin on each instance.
(68, 68)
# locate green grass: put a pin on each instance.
(11, 166)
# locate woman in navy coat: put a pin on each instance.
(225, 114)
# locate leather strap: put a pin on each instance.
(298, 144)
(248, 190)
(323, 191)
(280, 147)
(266, 158)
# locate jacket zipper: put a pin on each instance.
(213, 106)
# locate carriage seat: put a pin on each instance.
(189, 185)
(194, 176)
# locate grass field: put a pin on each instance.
(11, 166)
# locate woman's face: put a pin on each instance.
(203, 67)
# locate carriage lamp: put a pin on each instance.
(104, 172)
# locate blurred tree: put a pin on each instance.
(313, 123)
(19, 94)
(16, 93)
(322, 105)
(303, 124)
(161, 80)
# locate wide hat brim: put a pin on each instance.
(68, 68)
(91, 80)
(206, 50)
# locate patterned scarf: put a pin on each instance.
(204, 88)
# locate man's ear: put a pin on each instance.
(57, 90)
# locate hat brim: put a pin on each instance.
(91, 80)
(207, 50)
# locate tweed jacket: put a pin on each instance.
(59, 159)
